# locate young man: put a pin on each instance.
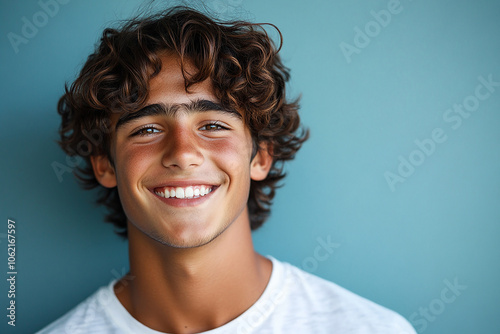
(191, 126)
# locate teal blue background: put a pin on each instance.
(394, 247)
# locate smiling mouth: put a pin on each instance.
(184, 192)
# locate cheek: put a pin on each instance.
(133, 162)
(232, 156)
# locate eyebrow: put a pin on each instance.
(171, 109)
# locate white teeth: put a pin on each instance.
(188, 192)
(179, 192)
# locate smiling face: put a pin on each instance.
(182, 164)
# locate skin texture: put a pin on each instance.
(193, 263)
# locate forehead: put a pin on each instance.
(169, 85)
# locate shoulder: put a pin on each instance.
(345, 311)
(90, 316)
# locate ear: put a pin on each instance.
(103, 171)
(261, 163)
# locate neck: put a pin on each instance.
(196, 289)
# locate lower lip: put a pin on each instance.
(185, 202)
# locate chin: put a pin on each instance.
(185, 237)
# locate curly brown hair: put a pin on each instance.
(239, 58)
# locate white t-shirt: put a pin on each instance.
(294, 301)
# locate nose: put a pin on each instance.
(182, 149)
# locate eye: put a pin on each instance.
(147, 130)
(215, 126)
